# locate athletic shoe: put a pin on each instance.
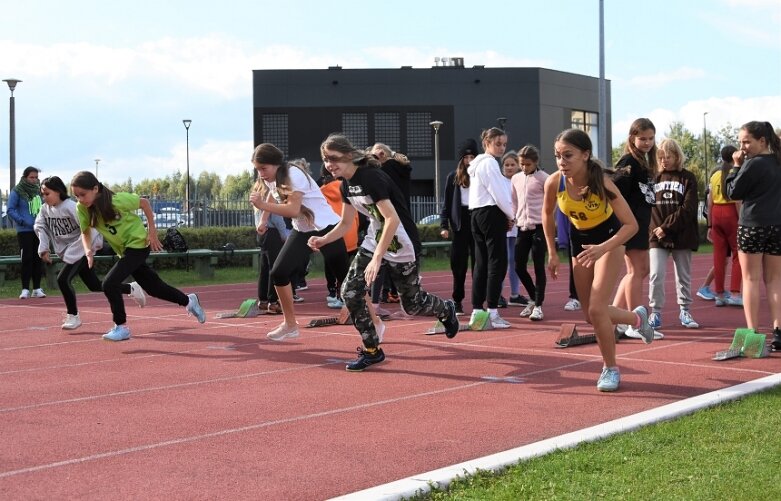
(706, 293)
(732, 300)
(536, 314)
(459, 308)
(687, 321)
(365, 359)
(25, 294)
(572, 305)
(392, 297)
(621, 330)
(502, 302)
(450, 320)
(118, 333)
(498, 322)
(283, 332)
(645, 330)
(528, 310)
(655, 320)
(302, 286)
(274, 308)
(334, 303)
(609, 379)
(71, 322)
(262, 307)
(635, 334)
(380, 330)
(297, 298)
(137, 293)
(381, 312)
(40, 293)
(194, 308)
(518, 300)
(721, 299)
(775, 345)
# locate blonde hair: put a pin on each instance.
(670, 147)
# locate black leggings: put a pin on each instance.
(489, 228)
(462, 253)
(32, 266)
(88, 276)
(133, 262)
(296, 251)
(271, 244)
(532, 241)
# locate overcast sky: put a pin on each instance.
(114, 80)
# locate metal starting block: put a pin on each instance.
(440, 329)
(247, 309)
(568, 336)
(745, 343)
(344, 318)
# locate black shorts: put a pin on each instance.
(639, 240)
(760, 239)
(592, 236)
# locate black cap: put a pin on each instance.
(467, 147)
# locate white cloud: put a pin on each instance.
(666, 77)
(721, 111)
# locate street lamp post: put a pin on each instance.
(705, 145)
(501, 121)
(12, 133)
(436, 125)
(187, 123)
(97, 161)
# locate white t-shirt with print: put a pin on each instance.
(312, 199)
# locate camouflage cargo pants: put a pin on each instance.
(414, 300)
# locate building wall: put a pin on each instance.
(536, 102)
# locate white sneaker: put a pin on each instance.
(71, 322)
(572, 305)
(380, 329)
(283, 332)
(25, 294)
(536, 314)
(138, 295)
(38, 293)
(498, 322)
(635, 334)
(528, 310)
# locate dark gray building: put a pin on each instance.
(297, 109)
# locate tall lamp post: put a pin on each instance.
(705, 146)
(12, 134)
(97, 161)
(436, 125)
(501, 121)
(187, 123)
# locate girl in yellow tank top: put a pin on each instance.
(585, 213)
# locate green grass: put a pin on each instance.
(732, 451)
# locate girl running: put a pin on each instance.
(57, 225)
(115, 217)
(296, 196)
(392, 236)
(601, 223)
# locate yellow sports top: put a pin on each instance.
(584, 214)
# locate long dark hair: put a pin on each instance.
(342, 144)
(267, 153)
(462, 176)
(758, 130)
(648, 162)
(103, 204)
(595, 181)
(726, 165)
(55, 184)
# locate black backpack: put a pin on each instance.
(174, 241)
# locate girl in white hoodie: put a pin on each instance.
(58, 225)
(491, 204)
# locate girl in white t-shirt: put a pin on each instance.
(296, 196)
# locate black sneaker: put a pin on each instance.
(450, 321)
(365, 359)
(502, 302)
(519, 300)
(459, 308)
(775, 345)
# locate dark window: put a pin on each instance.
(387, 130)
(275, 130)
(419, 134)
(589, 123)
(356, 127)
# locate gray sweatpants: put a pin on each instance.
(682, 264)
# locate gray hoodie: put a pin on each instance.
(488, 186)
(59, 226)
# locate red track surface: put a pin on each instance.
(190, 411)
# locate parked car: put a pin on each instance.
(432, 219)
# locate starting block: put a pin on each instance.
(480, 322)
(568, 336)
(745, 343)
(344, 318)
(247, 309)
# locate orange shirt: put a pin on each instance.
(333, 194)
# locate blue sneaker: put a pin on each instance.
(645, 330)
(735, 300)
(687, 321)
(706, 293)
(118, 333)
(655, 320)
(722, 299)
(609, 379)
(194, 308)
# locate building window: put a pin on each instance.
(387, 130)
(356, 127)
(589, 123)
(275, 130)
(419, 134)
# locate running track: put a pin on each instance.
(190, 411)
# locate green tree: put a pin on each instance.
(694, 151)
(237, 186)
